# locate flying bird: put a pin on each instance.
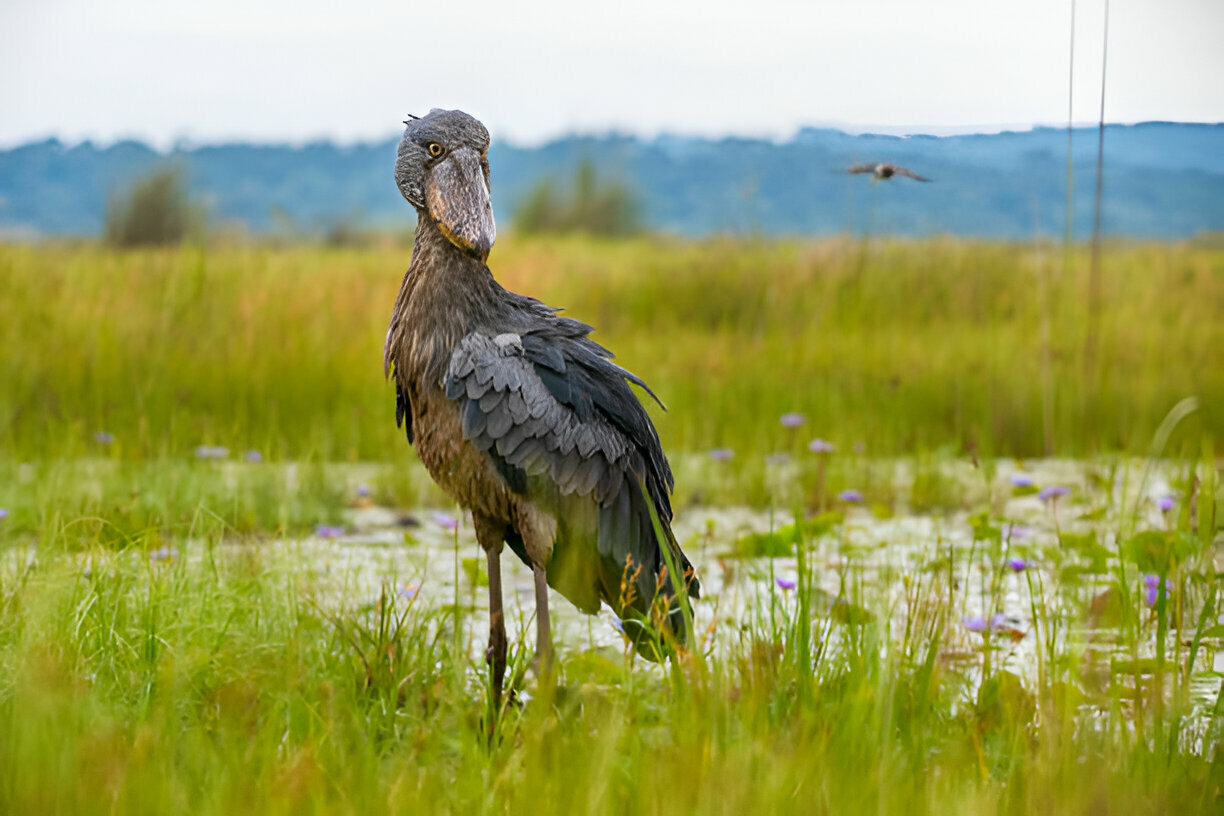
(882, 171)
(520, 416)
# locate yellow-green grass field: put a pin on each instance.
(178, 632)
(902, 346)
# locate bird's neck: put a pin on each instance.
(445, 295)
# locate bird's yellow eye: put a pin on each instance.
(434, 149)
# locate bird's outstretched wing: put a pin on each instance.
(558, 420)
(902, 171)
(861, 168)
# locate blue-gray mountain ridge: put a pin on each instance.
(1162, 180)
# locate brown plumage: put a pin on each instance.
(518, 415)
(882, 171)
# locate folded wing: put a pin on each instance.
(562, 426)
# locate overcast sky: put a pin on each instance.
(299, 70)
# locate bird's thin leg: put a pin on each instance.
(543, 639)
(490, 534)
(496, 654)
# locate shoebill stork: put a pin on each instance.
(520, 416)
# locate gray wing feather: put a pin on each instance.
(489, 401)
(561, 425)
(473, 420)
(517, 406)
(565, 471)
(465, 367)
(509, 411)
(586, 441)
(499, 422)
(485, 369)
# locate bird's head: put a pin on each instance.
(442, 169)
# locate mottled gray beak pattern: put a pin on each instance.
(457, 198)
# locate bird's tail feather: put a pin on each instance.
(613, 554)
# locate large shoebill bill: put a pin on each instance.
(519, 416)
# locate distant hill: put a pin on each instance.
(1162, 180)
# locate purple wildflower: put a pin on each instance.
(211, 452)
(820, 446)
(329, 531)
(1020, 480)
(407, 591)
(976, 623)
(1165, 503)
(722, 454)
(363, 490)
(1017, 564)
(850, 496)
(3, 512)
(447, 521)
(785, 584)
(1152, 591)
(164, 553)
(1011, 531)
(254, 456)
(104, 438)
(1052, 493)
(792, 420)
(999, 620)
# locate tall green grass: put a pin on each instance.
(901, 346)
(153, 659)
(221, 680)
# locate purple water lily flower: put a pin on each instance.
(1017, 564)
(785, 584)
(722, 454)
(447, 521)
(254, 456)
(850, 496)
(104, 438)
(1152, 591)
(329, 531)
(1165, 503)
(792, 420)
(1020, 480)
(976, 623)
(820, 446)
(1052, 492)
(979, 623)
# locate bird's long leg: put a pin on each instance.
(490, 535)
(543, 638)
(496, 654)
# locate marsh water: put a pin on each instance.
(1013, 599)
(1034, 579)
